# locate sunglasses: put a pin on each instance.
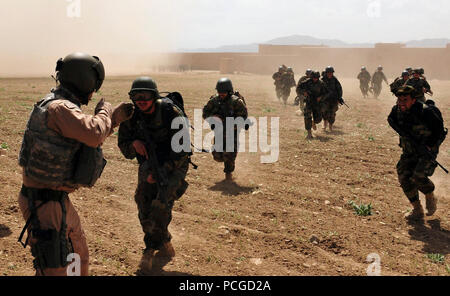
(142, 97)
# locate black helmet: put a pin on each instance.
(144, 84)
(329, 69)
(224, 85)
(417, 71)
(380, 67)
(289, 69)
(405, 73)
(422, 71)
(315, 74)
(406, 90)
(409, 69)
(81, 74)
(308, 72)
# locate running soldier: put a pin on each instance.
(377, 79)
(364, 80)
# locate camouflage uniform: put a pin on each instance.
(377, 80)
(419, 85)
(314, 90)
(277, 76)
(364, 79)
(415, 167)
(154, 215)
(300, 99)
(330, 104)
(232, 106)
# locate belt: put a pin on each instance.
(42, 194)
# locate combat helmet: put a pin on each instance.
(405, 73)
(363, 68)
(406, 90)
(308, 72)
(224, 85)
(329, 69)
(289, 69)
(81, 74)
(144, 83)
(380, 68)
(315, 74)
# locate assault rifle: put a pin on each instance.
(422, 148)
(342, 102)
(159, 173)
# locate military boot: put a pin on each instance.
(417, 212)
(147, 261)
(167, 251)
(309, 136)
(229, 176)
(325, 125)
(431, 203)
(314, 126)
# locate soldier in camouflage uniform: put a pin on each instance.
(377, 79)
(399, 82)
(330, 103)
(226, 104)
(288, 82)
(277, 76)
(420, 85)
(151, 125)
(314, 90)
(300, 99)
(364, 80)
(424, 122)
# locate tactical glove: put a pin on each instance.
(121, 113)
(103, 105)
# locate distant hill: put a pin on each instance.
(309, 40)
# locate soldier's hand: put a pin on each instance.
(150, 179)
(122, 113)
(103, 105)
(139, 146)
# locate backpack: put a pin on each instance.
(436, 112)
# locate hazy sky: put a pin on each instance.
(42, 30)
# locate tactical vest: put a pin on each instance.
(46, 156)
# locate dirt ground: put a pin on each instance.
(291, 217)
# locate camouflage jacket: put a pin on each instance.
(423, 122)
(378, 77)
(277, 76)
(334, 89)
(313, 89)
(364, 77)
(419, 85)
(156, 125)
(232, 106)
(288, 80)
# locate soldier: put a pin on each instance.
(300, 99)
(420, 85)
(288, 82)
(422, 73)
(377, 80)
(410, 70)
(60, 153)
(314, 90)
(364, 79)
(399, 82)
(226, 104)
(421, 131)
(150, 130)
(330, 103)
(277, 76)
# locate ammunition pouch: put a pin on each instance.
(89, 166)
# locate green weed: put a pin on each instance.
(361, 209)
(436, 258)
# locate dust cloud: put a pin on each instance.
(126, 35)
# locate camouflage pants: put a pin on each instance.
(364, 86)
(312, 111)
(329, 110)
(228, 158)
(413, 172)
(154, 215)
(283, 92)
(377, 89)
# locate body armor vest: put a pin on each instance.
(45, 155)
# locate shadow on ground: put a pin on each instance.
(231, 188)
(436, 239)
